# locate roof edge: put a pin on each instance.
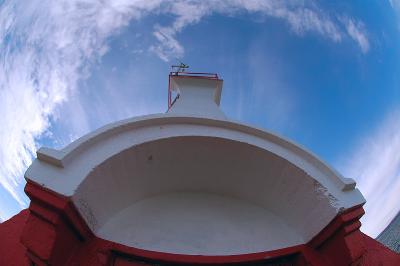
(60, 158)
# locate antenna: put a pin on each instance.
(179, 68)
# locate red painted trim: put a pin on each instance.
(347, 217)
(169, 91)
(352, 227)
(353, 213)
(47, 204)
(155, 256)
(46, 196)
(195, 77)
(195, 74)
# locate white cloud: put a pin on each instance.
(46, 48)
(357, 33)
(168, 46)
(375, 165)
(301, 18)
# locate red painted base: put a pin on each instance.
(53, 233)
(12, 252)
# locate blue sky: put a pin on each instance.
(325, 75)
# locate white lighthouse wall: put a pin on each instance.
(197, 97)
(192, 182)
(104, 172)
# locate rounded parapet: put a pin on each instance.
(178, 184)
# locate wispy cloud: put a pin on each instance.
(356, 31)
(168, 46)
(375, 165)
(47, 46)
(301, 18)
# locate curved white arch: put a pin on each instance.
(70, 172)
(60, 158)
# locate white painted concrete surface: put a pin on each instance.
(199, 224)
(121, 168)
(210, 165)
(197, 97)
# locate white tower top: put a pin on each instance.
(196, 95)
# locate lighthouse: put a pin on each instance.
(188, 187)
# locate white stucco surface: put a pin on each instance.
(185, 160)
(198, 224)
(197, 97)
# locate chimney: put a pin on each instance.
(197, 94)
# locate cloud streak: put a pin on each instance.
(45, 47)
(300, 17)
(375, 165)
(356, 31)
